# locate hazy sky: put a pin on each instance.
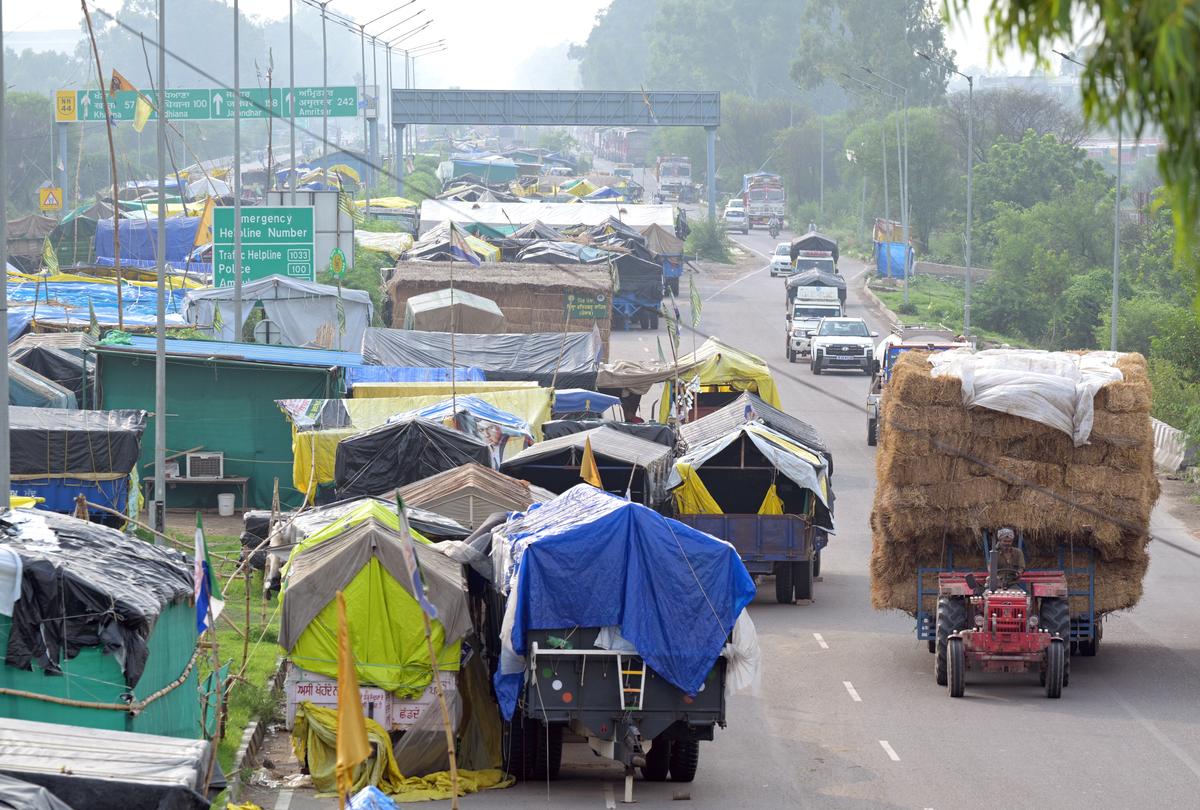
(486, 45)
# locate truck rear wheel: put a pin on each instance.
(951, 617)
(816, 565)
(1056, 668)
(685, 758)
(658, 761)
(549, 751)
(872, 432)
(519, 744)
(784, 592)
(802, 579)
(956, 662)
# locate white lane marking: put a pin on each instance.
(747, 247)
(285, 799)
(610, 803)
(821, 641)
(735, 282)
(1157, 734)
(891, 752)
(853, 692)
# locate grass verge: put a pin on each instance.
(932, 301)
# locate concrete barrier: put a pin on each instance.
(950, 271)
(1171, 450)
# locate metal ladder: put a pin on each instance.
(627, 675)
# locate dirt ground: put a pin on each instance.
(743, 262)
(1182, 500)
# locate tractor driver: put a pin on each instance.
(1010, 560)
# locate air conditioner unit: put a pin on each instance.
(205, 465)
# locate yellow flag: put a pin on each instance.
(587, 468)
(204, 229)
(49, 257)
(772, 504)
(141, 113)
(352, 745)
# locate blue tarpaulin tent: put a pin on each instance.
(65, 303)
(590, 559)
(897, 264)
(580, 400)
(139, 240)
(398, 374)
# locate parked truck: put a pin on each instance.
(674, 176)
(903, 339)
(764, 197)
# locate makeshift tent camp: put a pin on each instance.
(314, 523)
(723, 372)
(626, 463)
(749, 409)
(567, 359)
(26, 238)
(27, 387)
(399, 453)
(16, 794)
(589, 559)
(434, 246)
(450, 310)
(504, 433)
(538, 231)
(139, 241)
(58, 454)
(74, 343)
(67, 370)
(814, 241)
(363, 558)
(306, 313)
(555, 214)
(581, 401)
(471, 493)
(562, 253)
(110, 615)
(106, 770)
(68, 301)
(650, 431)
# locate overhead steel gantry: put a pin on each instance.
(596, 108)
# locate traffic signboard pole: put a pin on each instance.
(292, 95)
(159, 505)
(4, 446)
(237, 184)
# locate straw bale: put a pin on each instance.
(1023, 472)
(1101, 479)
(1124, 397)
(928, 419)
(934, 469)
(1122, 429)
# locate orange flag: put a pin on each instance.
(352, 745)
(119, 83)
(588, 470)
(204, 233)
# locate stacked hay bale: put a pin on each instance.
(945, 473)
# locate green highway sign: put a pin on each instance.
(275, 241)
(585, 307)
(73, 106)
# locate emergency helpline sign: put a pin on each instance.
(276, 241)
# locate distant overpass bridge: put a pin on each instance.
(557, 108)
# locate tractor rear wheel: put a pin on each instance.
(872, 432)
(1056, 620)
(956, 664)
(685, 758)
(1056, 668)
(951, 617)
(549, 751)
(658, 761)
(802, 579)
(519, 742)
(784, 587)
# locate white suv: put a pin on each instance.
(735, 218)
(843, 343)
(781, 260)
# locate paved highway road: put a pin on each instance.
(848, 715)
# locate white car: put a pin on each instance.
(735, 219)
(843, 343)
(781, 260)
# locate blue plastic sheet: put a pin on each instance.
(18, 320)
(60, 493)
(894, 268)
(590, 559)
(580, 400)
(397, 374)
(139, 238)
(67, 302)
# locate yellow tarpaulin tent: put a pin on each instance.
(722, 368)
(387, 202)
(314, 452)
(581, 189)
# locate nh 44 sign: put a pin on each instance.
(275, 242)
(73, 106)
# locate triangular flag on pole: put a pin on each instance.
(49, 257)
(662, 358)
(206, 589)
(141, 113)
(93, 324)
(588, 470)
(409, 553)
(353, 747)
(204, 229)
(697, 304)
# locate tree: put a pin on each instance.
(883, 35)
(28, 127)
(1007, 114)
(1142, 70)
(616, 54)
(1034, 169)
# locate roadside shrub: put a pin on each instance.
(707, 240)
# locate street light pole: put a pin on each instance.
(901, 168)
(158, 507)
(324, 86)
(970, 185)
(237, 182)
(5, 478)
(292, 95)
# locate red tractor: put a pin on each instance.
(1022, 627)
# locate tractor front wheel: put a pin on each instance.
(956, 661)
(951, 617)
(784, 585)
(1056, 620)
(1056, 668)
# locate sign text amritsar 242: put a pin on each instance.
(275, 241)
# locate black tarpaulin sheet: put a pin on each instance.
(99, 769)
(535, 356)
(814, 240)
(651, 431)
(53, 441)
(69, 371)
(85, 585)
(20, 795)
(392, 455)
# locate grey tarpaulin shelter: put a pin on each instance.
(317, 573)
(398, 453)
(305, 312)
(625, 463)
(568, 359)
(470, 493)
(749, 407)
(814, 240)
(468, 313)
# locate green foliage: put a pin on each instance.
(617, 50)
(1035, 169)
(27, 124)
(364, 275)
(1176, 398)
(707, 240)
(1178, 341)
(557, 140)
(1141, 69)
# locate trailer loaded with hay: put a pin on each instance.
(1058, 446)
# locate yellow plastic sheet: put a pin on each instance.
(314, 739)
(722, 367)
(377, 390)
(692, 497)
(772, 504)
